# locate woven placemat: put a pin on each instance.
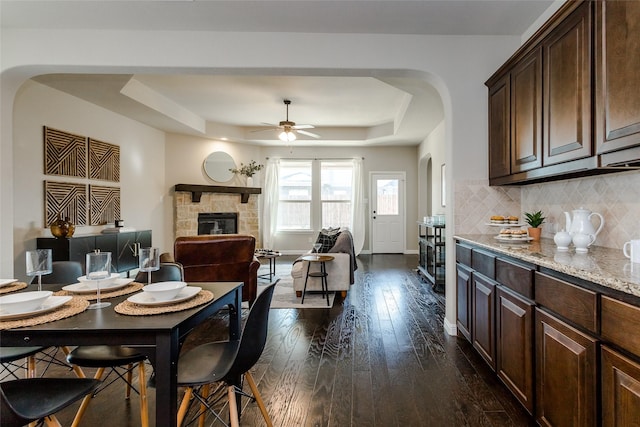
(15, 286)
(129, 289)
(133, 309)
(71, 308)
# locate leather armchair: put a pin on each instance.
(220, 258)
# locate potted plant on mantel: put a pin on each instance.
(535, 220)
(248, 171)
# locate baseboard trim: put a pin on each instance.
(449, 328)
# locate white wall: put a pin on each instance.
(185, 155)
(141, 164)
(434, 148)
(457, 66)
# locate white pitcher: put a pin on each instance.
(581, 222)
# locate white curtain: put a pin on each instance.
(357, 201)
(271, 198)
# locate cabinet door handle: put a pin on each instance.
(136, 249)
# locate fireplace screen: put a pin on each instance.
(218, 223)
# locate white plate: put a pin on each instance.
(49, 304)
(143, 298)
(514, 239)
(504, 225)
(90, 287)
(112, 276)
(5, 282)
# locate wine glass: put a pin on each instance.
(39, 263)
(98, 268)
(149, 261)
(316, 248)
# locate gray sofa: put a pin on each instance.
(340, 271)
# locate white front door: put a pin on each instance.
(387, 212)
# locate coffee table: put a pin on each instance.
(271, 256)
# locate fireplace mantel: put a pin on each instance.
(197, 190)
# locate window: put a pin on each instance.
(335, 181)
(314, 194)
(294, 209)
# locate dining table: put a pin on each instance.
(160, 336)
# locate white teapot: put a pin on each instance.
(581, 223)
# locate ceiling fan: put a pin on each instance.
(289, 129)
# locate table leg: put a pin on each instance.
(324, 284)
(235, 324)
(304, 290)
(272, 268)
(166, 370)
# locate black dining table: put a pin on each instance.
(160, 336)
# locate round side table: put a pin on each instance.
(322, 274)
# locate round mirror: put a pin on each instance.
(217, 165)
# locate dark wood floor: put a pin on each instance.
(380, 357)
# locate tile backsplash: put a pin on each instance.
(615, 196)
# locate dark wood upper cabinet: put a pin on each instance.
(526, 113)
(567, 103)
(617, 72)
(567, 89)
(499, 128)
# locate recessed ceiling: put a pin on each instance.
(343, 110)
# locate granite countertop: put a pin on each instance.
(604, 266)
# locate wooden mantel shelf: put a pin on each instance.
(197, 190)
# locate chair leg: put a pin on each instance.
(52, 421)
(206, 389)
(86, 400)
(233, 407)
(31, 367)
(184, 405)
(127, 390)
(76, 369)
(256, 395)
(144, 410)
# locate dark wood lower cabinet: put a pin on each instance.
(463, 298)
(566, 374)
(620, 389)
(483, 322)
(514, 348)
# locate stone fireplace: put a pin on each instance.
(187, 206)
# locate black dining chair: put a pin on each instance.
(121, 361)
(26, 400)
(168, 272)
(62, 273)
(9, 356)
(227, 363)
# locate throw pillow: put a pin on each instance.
(327, 238)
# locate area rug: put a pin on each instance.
(284, 296)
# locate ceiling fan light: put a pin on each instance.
(287, 136)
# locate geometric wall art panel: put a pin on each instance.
(66, 199)
(104, 204)
(64, 153)
(104, 161)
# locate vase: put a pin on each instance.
(62, 228)
(534, 233)
(249, 181)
